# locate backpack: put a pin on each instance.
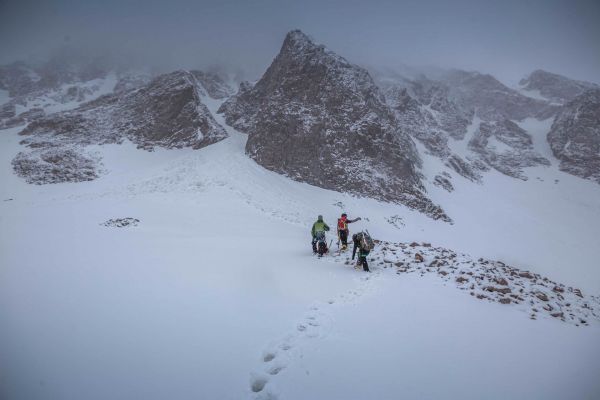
(320, 236)
(341, 224)
(366, 242)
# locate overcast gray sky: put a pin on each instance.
(505, 38)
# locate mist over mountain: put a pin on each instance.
(508, 40)
(199, 200)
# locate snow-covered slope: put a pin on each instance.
(215, 293)
(186, 271)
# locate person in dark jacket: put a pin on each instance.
(318, 227)
(362, 253)
(343, 231)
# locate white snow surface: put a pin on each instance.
(215, 293)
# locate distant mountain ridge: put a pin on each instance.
(313, 116)
(167, 112)
(554, 87)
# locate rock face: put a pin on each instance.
(417, 120)
(421, 101)
(504, 146)
(63, 82)
(427, 113)
(167, 112)
(215, 86)
(451, 117)
(491, 100)
(554, 87)
(456, 96)
(319, 119)
(439, 113)
(575, 136)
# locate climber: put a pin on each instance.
(318, 234)
(364, 243)
(342, 230)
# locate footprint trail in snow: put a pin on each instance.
(316, 324)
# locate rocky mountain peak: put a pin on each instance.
(317, 118)
(299, 45)
(297, 41)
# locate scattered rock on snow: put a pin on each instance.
(121, 222)
(541, 296)
(491, 281)
(56, 165)
(501, 281)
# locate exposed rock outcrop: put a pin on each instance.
(575, 136)
(469, 170)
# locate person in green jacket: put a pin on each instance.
(318, 228)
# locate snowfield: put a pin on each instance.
(214, 292)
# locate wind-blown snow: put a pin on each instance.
(214, 294)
